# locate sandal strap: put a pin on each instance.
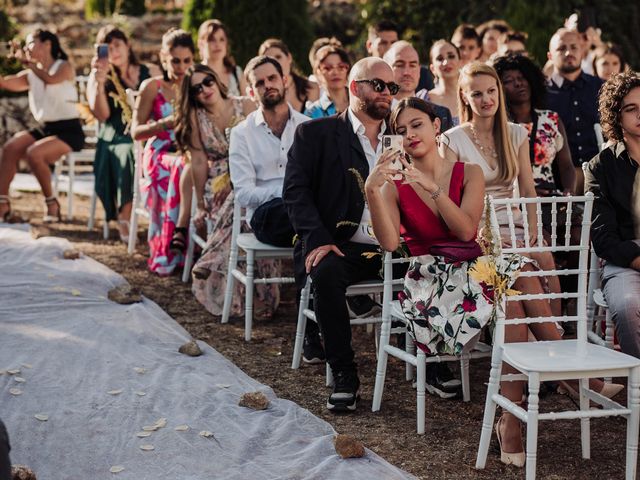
(5, 199)
(51, 199)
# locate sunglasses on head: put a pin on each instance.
(198, 88)
(379, 85)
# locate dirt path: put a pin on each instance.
(446, 451)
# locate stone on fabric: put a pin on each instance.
(191, 348)
(254, 400)
(22, 472)
(125, 295)
(71, 254)
(348, 447)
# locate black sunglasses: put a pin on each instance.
(198, 88)
(379, 85)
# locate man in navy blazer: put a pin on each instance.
(324, 194)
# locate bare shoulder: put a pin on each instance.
(472, 172)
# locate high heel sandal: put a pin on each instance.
(52, 218)
(516, 459)
(178, 242)
(123, 224)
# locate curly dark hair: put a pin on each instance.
(530, 71)
(610, 102)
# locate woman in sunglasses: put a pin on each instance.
(153, 121)
(299, 89)
(332, 67)
(205, 114)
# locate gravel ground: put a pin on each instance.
(446, 451)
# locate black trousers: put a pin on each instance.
(270, 224)
(331, 277)
(5, 463)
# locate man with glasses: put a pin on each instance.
(329, 162)
(258, 152)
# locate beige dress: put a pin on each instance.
(466, 150)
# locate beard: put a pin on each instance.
(270, 101)
(377, 111)
(570, 68)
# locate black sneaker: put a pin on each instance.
(345, 391)
(436, 387)
(362, 306)
(312, 351)
(445, 377)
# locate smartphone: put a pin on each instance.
(394, 142)
(102, 51)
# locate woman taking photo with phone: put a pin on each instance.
(153, 120)
(50, 80)
(115, 69)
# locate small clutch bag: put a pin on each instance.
(457, 250)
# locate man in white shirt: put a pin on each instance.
(258, 152)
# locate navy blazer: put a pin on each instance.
(324, 185)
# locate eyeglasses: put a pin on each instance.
(379, 85)
(198, 88)
(340, 68)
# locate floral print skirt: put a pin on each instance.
(445, 307)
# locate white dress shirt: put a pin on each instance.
(258, 159)
(364, 234)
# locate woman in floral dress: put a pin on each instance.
(162, 165)
(203, 120)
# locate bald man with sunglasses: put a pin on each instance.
(328, 163)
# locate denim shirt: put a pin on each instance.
(577, 104)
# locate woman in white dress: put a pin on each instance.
(501, 149)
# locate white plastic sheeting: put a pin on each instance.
(73, 346)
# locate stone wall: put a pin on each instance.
(14, 117)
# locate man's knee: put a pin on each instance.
(328, 273)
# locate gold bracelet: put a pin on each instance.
(437, 193)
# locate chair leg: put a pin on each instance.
(464, 373)
(92, 211)
(301, 326)
(188, 261)
(248, 301)
(410, 347)
(421, 373)
(608, 336)
(105, 229)
(381, 369)
(329, 376)
(72, 176)
(489, 409)
(532, 426)
(633, 422)
(585, 426)
(231, 280)
(133, 227)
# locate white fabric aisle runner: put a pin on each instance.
(73, 346)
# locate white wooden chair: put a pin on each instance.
(392, 310)
(557, 360)
(81, 162)
(597, 307)
(194, 239)
(254, 250)
(367, 287)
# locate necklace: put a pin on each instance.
(489, 151)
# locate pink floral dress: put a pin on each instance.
(547, 143)
(160, 187)
(215, 257)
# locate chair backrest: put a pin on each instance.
(390, 284)
(568, 205)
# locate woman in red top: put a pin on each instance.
(438, 201)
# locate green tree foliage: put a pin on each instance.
(8, 31)
(105, 8)
(424, 21)
(250, 22)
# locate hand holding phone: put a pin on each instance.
(394, 143)
(102, 50)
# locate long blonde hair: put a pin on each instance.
(507, 156)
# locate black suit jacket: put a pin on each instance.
(324, 185)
